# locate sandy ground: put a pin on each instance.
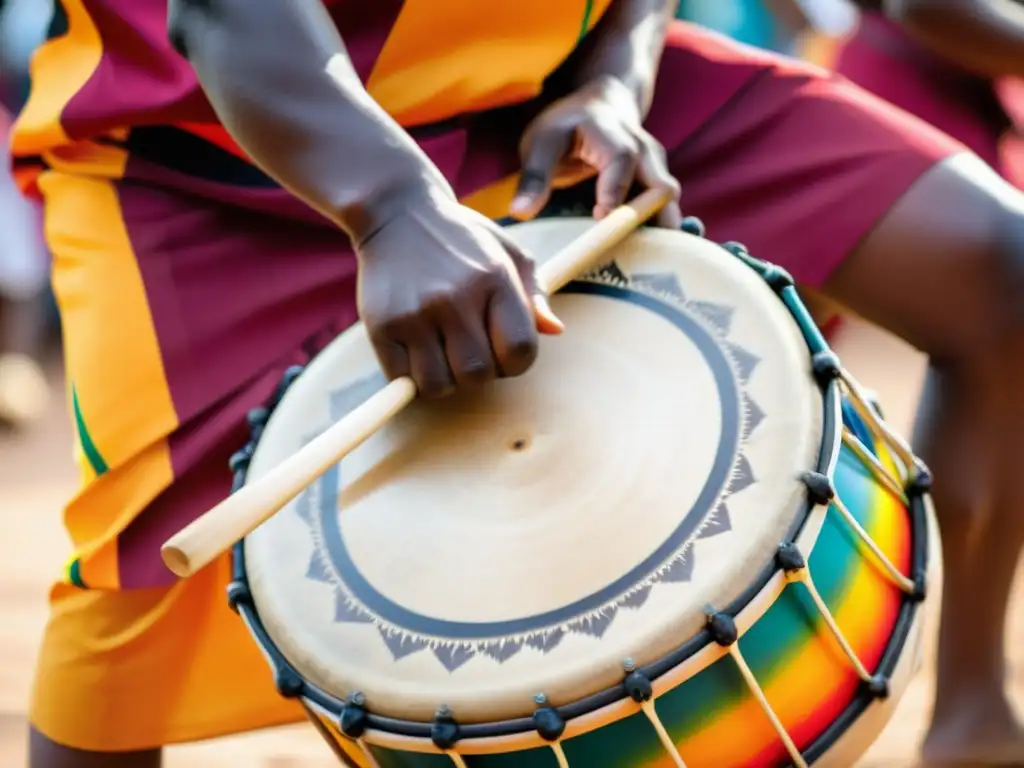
(36, 476)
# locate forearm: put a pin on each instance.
(626, 45)
(278, 77)
(982, 36)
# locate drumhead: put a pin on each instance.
(529, 539)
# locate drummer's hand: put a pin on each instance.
(597, 129)
(448, 298)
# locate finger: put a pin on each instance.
(670, 216)
(540, 153)
(513, 332)
(392, 356)
(428, 363)
(653, 172)
(615, 178)
(546, 321)
(468, 349)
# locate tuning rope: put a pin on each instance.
(370, 759)
(796, 567)
(758, 694)
(647, 707)
(556, 747)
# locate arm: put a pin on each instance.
(446, 297)
(983, 36)
(264, 67)
(625, 46)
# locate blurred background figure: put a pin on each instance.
(24, 266)
(772, 24)
(829, 24)
(794, 27)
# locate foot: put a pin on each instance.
(978, 736)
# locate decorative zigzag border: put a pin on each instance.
(452, 654)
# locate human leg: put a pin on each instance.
(52, 755)
(812, 173)
(968, 425)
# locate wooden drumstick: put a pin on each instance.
(217, 530)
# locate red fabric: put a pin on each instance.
(799, 164)
(884, 60)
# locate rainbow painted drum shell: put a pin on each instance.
(803, 667)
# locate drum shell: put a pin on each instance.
(709, 711)
(620, 735)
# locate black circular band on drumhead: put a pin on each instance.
(360, 589)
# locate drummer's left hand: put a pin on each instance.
(596, 130)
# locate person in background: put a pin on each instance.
(24, 287)
(829, 24)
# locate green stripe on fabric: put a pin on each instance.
(75, 574)
(99, 466)
(588, 11)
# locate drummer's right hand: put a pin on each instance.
(448, 298)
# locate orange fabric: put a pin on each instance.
(59, 70)
(125, 670)
(475, 56)
(122, 671)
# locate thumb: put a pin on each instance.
(541, 153)
(546, 320)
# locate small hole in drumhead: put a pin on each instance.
(519, 444)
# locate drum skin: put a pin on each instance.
(708, 709)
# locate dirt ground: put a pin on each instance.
(36, 475)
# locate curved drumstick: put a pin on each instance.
(216, 531)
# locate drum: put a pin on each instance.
(683, 538)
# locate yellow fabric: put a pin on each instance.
(127, 670)
(121, 404)
(446, 57)
(122, 671)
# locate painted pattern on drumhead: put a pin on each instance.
(453, 643)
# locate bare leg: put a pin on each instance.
(945, 271)
(981, 552)
(23, 388)
(25, 325)
(44, 753)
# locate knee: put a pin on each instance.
(980, 300)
